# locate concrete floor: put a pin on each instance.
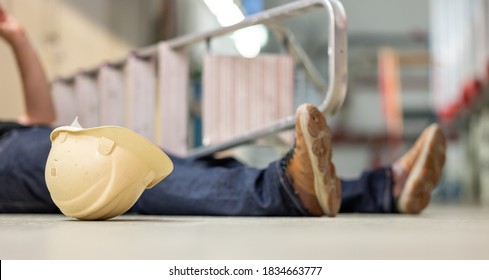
(439, 233)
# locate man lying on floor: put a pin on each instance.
(303, 183)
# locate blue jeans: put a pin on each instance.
(205, 186)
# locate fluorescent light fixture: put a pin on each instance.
(226, 12)
(248, 41)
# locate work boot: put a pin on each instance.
(310, 167)
(418, 172)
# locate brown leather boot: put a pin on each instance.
(417, 173)
(312, 172)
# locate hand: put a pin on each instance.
(10, 28)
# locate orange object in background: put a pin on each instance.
(389, 87)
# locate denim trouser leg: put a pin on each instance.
(232, 188)
(23, 155)
(221, 187)
(195, 187)
(370, 193)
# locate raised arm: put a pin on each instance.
(36, 90)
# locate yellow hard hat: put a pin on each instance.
(99, 173)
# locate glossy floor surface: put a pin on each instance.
(439, 233)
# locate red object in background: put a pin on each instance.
(449, 113)
(487, 71)
(471, 91)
